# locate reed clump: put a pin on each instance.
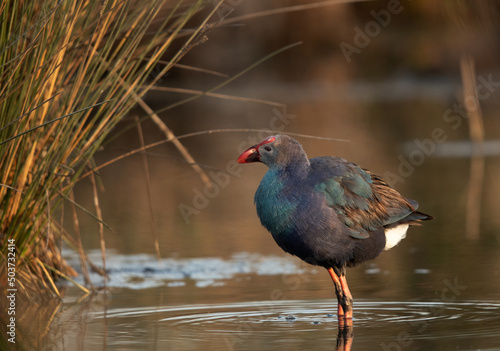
(69, 72)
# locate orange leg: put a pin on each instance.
(344, 298)
(347, 297)
(338, 290)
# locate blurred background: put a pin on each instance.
(389, 77)
(399, 98)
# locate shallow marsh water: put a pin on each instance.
(272, 303)
(222, 283)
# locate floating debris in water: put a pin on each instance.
(372, 271)
(422, 271)
(290, 317)
(145, 271)
(207, 283)
(176, 284)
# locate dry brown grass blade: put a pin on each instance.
(100, 225)
(21, 183)
(218, 96)
(197, 69)
(148, 185)
(68, 278)
(286, 9)
(47, 199)
(48, 277)
(471, 102)
(171, 136)
(476, 128)
(78, 241)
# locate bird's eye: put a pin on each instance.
(267, 148)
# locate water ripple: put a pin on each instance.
(293, 315)
(304, 325)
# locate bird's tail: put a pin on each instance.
(415, 217)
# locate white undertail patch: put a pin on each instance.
(394, 235)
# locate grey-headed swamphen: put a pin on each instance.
(328, 211)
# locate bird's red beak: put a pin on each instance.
(252, 153)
